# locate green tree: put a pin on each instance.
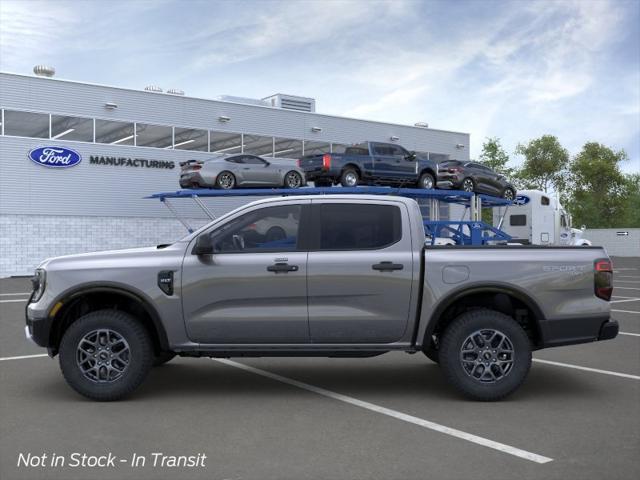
(545, 164)
(599, 192)
(630, 216)
(495, 157)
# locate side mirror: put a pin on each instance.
(203, 246)
(266, 164)
(412, 156)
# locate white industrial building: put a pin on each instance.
(129, 143)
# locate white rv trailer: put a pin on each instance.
(537, 218)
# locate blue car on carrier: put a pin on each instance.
(370, 163)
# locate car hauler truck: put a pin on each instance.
(536, 218)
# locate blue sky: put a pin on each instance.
(515, 70)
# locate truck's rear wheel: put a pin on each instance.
(485, 354)
(105, 355)
(349, 178)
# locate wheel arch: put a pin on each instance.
(502, 298)
(96, 296)
(353, 166)
(430, 171)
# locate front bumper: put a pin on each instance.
(38, 330)
(571, 331)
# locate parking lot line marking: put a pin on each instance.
(626, 288)
(618, 296)
(625, 311)
(622, 268)
(628, 281)
(627, 276)
(587, 369)
(630, 334)
(21, 357)
(14, 300)
(533, 457)
(13, 294)
(625, 300)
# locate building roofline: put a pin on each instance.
(232, 103)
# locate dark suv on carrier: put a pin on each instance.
(474, 177)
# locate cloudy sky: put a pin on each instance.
(515, 70)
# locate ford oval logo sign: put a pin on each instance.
(55, 157)
(521, 200)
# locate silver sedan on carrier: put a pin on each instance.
(243, 170)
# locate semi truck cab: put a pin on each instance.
(537, 218)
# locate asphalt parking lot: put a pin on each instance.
(391, 417)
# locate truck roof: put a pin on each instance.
(358, 197)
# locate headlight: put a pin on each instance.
(39, 282)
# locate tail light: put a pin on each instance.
(326, 161)
(196, 167)
(455, 170)
(603, 278)
(299, 162)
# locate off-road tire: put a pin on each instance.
(140, 354)
(454, 338)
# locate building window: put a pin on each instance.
(191, 139)
(258, 145)
(115, 133)
(316, 148)
(26, 124)
(225, 143)
(338, 148)
(71, 128)
(287, 148)
(438, 157)
(157, 136)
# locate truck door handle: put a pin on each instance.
(282, 267)
(387, 266)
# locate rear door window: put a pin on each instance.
(358, 226)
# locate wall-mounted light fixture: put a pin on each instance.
(223, 118)
(421, 124)
(110, 105)
(316, 129)
(393, 138)
(460, 146)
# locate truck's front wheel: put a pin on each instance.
(485, 354)
(105, 355)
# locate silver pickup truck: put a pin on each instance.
(334, 276)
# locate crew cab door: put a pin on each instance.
(391, 163)
(252, 289)
(359, 271)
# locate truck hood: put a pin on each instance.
(105, 259)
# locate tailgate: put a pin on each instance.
(311, 162)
